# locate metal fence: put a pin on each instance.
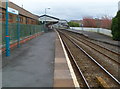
(25, 30)
(98, 30)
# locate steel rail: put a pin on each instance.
(97, 44)
(102, 47)
(100, 52)
(77, 65)
(96, 50)
(115, 79)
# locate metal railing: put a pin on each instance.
(25, 30)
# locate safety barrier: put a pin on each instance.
(26, 31)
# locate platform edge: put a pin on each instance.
(77, 86)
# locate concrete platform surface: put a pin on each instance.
(31, 65)
(62, 73)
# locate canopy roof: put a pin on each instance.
(48, 18)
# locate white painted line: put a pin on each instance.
(77, 86)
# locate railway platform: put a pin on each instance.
(63, 73)
(41, 62)
(98, 37)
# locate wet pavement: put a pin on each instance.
(31, 65)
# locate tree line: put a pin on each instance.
(116, 27)
(106, 22)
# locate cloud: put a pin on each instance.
(71, 9)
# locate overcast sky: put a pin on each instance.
(70, 9)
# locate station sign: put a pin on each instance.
(13, 11)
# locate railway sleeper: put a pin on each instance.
(102, 83)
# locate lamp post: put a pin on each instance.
(46, 13)
(7, 32)
(45, 16)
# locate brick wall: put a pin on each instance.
(26, 17)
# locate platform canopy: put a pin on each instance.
(48, 18)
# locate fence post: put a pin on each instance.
(18, 31)
(44, 28)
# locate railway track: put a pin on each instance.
(112, 55)
(104, 58)
(88, 67)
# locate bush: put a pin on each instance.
(116, 27)
(73, 24)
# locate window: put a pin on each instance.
(3, 16)
(21, 19)
(0, 15)
(32, 21)
(28, 21)
(10, 18)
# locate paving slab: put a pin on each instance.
(31, 65)
(62, 74)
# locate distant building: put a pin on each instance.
(119, 5)
(48, 20)
(63, 24)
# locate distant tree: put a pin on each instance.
(73, 24)
(106, 22)
(89, 22)
(116, 27)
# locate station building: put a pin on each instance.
(28, 28)
(53, 22)
(25, 16)
(48, 20)
(62, 24)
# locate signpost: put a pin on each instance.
(18, 31)
(7, 32)
(13, 11)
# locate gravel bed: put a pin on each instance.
(110, 65)
(88, 67)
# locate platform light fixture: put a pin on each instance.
(45, 16)
(46, 13)
(46, 10)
